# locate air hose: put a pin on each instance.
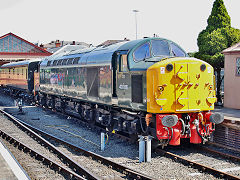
(204, 139)
(169, 138)
(183, 126)
(141, 124)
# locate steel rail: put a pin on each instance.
(53, 165)
(223, 146)
(199, 166)
(225, 155)
(130, 173)
(77, 168)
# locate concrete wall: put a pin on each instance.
(231, 82)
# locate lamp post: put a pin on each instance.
(135, 11)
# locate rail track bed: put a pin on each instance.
(82, 161)
(207, 160)
(32, 154)
(117, 150)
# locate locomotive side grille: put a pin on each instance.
(137, 92)
(92, 81)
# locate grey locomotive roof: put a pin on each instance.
(20, 63)
(102, 54)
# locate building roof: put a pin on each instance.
(110, 42)
(11, 44)
(233, 49)
(52, 44)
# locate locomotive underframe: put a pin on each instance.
(113, 118)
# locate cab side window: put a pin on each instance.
(123, 63)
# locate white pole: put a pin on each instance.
(102, 141)
(135, 11)
(141, 149)
(148, 149)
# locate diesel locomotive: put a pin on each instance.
(148, 86)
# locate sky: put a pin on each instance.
(95, 21)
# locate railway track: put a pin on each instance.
(212, 165)
(119, 171)
(71, 147)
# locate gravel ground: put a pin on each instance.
(103, 171)
(34, 168)
(117, 150)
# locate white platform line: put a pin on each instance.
(16, 168)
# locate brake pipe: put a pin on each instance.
(183, 126)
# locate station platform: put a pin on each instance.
(227, 134)
(10, 169)
(231, 116)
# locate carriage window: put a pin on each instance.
(160, 48)
(142, 52)
(177, 51)
(123, 64)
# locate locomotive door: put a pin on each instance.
(181, 73)
(186, 87)
(123, 85)
(194, 86)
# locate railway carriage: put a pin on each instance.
(148, 86)
(20, 76)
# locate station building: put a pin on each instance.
(232, 77)
(14, 48)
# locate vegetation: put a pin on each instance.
(217, 36)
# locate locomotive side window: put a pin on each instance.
(142, 52)
(54, 62)
(49, 63)
(160, 48)
(75, 61)
(70, 61)
(64, 62)
(123, 64)
(177, 51)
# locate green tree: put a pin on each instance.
(217, 36)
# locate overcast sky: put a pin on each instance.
(94, 21)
